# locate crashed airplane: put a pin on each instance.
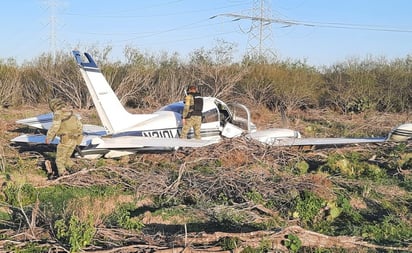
(123, 133)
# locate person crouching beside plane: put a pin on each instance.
(69, 127)
(192, 112)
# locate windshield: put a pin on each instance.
(175, 107)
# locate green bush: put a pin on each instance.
(352, 165)
(78, 234)
(343, 219)
(122, 218)
(30, 247)
(306, 207)
(230, 243)
(292, 242)
(391, 231)
(264, 246)
(20, 195)
(230, 217)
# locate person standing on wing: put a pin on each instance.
(192, 112)
(70, 129)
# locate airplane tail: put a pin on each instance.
(113, 115)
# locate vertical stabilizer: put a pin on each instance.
(113, 115)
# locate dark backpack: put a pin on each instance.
(197, 104)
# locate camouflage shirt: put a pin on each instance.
(65, 123)
(189, 102)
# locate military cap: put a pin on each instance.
(191, 86)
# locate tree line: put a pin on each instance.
(150, 81)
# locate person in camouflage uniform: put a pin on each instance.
(192, 114)
(69, 127)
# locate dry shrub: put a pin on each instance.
(358, 203)
(322, 185)
(263, 118)
(234, 159)
(9, 83)
(100, 208)
(174, 216)
(3, 126)
(391, 191)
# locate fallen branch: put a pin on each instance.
(308, 238)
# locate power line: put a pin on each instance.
(314, 24)
(120, 14)
(260, 33)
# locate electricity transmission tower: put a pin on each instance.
(260, 40)
(52, 5)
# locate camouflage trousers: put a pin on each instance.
(64, 152)
(195, 122)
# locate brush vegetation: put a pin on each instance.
(237, 196)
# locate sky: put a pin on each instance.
(318, 32)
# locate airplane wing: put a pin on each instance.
(322, 141)
(287, 137)
(127, 142)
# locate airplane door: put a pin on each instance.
(210, 123)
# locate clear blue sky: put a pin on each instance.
(185, 25)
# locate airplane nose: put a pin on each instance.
(401, 133)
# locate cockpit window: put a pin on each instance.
(210, 116)
(224, 112)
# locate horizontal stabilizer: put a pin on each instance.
(41, 139)
(34, 138)
(43, 121)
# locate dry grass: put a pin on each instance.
(101, 208)
(232, 168)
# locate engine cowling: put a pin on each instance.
(401, 133)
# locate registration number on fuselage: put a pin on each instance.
(161, 134)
